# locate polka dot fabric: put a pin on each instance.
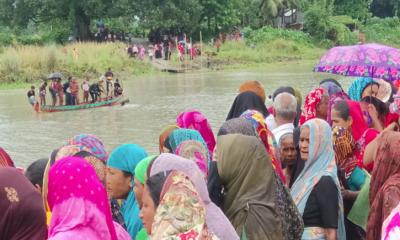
(75, 178)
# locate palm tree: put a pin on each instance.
(270, 9)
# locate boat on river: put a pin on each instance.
(102, 103)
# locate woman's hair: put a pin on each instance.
(369, 85)
(155, 185)
(34, 173)
(380, 106)
(167, 144)
(343, 109)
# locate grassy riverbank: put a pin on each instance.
(22, 65)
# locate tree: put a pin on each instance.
(358, 9)
(385, 8)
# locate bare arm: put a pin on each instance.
(330, 233)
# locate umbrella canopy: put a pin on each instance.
(55, 75)
(364, 60)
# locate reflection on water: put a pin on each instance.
(154, 102)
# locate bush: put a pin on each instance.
(269, 34)
(316, 22)
(383, 30)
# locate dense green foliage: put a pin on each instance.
(386, 31)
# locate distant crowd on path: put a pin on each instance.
(68, 93)
(325, 168)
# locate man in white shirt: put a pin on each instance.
(285, 113)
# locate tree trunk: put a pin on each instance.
(82, 25)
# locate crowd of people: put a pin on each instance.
(325, 169)
(68, 93)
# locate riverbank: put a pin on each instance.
(22, 66)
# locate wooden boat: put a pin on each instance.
(102, 103)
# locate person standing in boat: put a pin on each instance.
(60, 91)
(85, 88)
(117, 88)
(31, 96)
(53, 91)
(67, 91)
(74, 87)
(95, 91)
(42, 93)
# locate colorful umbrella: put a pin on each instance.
(364, 60)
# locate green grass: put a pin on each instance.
(30, 64)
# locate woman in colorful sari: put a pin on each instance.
(166, 131)
(215, 219)
(248, 180)
(267, 138)
(316, 191)
(247, 101)
(79, 203)
(348, 116)
(22, 216)
(195, 120)
(384, 193)
(5, 159)
(391, 226)
(363, 87)
(120, 182)
(173, 208)
(315, 105)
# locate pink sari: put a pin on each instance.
(79, 203)
(391, 226)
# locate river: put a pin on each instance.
(155, 101)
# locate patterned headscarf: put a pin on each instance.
(5, 159)
(195, 151)
(78, 201)
(266, 136)
(320, 162)
(386, 174)
(178, 136)
(22, 215)
(216, 221)
(93, 143)
(311, 103)
(358, 86)
(181, 213)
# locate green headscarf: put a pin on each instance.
(141, 168)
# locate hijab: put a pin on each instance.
(141, 168)
(246, 101)
(195, 151)
(79, 202)
(181, 213)
(320, 162)
(253, 86)
(195, 120)
(22, 214)
(331, 86)
(358, 86)
(91, 142)
(359, 125)
(165, 132)
(5, 159)
(386, 174)
(249, 180)
(216, 221)
(267, 138)
(181, 135)
(237, 125)
(311, 103)
(125, 158)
